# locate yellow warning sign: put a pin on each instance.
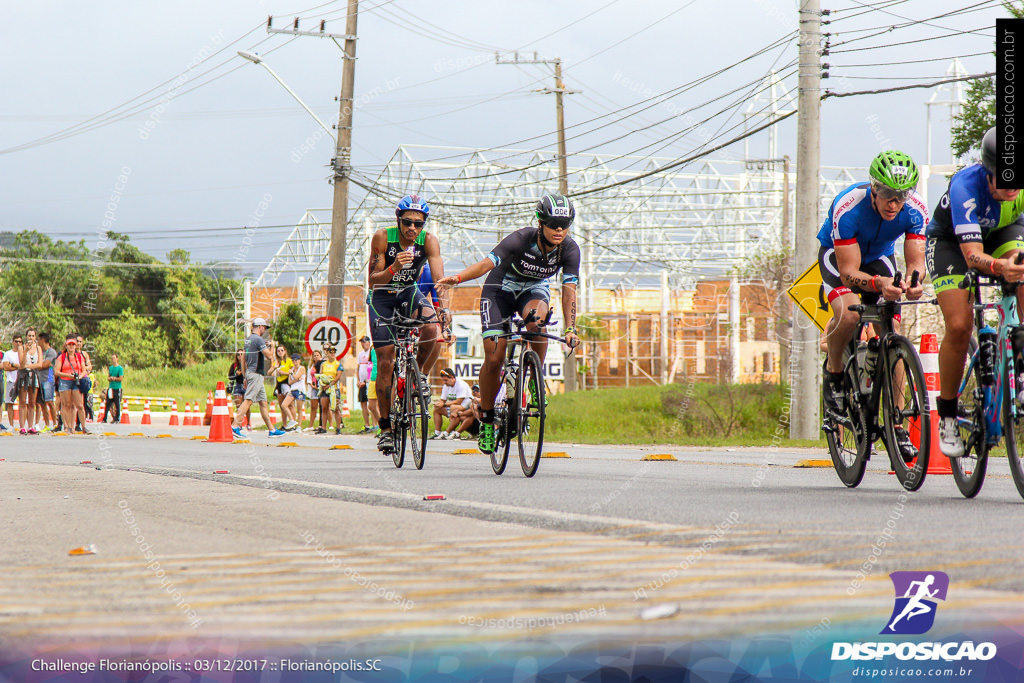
(809, 294)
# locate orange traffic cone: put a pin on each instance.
(147, 417)
(174, 422)
(103, 411)
(186, 421)
(937, 462)
(207, 416)
(345, 412)
(273, 414)
(194, 420)
(126, 419)
(220, 424)
(16, 418)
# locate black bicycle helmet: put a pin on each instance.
(556, 210)
(989, 151)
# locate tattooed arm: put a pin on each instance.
(848, 260)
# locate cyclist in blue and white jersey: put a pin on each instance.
(397, 257)
(857, 257)
(517, 272)
(977, 225)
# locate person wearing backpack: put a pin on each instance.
(69, 368)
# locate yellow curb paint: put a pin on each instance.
(466, 451)
(813, 463)
(109, 433)
(242, 441)
(555, 454)
(136, 434)
(659, 456)
(340, 447)
(164, 436)
(198, 438)
(287, 444)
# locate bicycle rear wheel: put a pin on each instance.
(969, 469)
(906, 406)
(847, 434)
(416, 413)
(530, 400)
(1014, 428)
(399, 428)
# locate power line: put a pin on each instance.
(920, 40)
(933, 84)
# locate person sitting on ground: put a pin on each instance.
(455, 395)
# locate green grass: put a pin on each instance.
(184, 384)
(679, 414)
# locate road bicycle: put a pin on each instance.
(989, 397)
(883, 389)
(408, 409)
(520, 415)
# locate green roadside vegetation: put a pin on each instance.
(677, 414)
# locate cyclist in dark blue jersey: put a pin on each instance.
(397, 257)
(857, 254)
(977, 225)
(517, 272)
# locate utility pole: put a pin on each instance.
(569, 368)
(342, 161)
(805, 380)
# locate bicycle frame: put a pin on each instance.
(992, 396)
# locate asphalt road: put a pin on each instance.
(742, 538)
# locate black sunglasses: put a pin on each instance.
(409, 223)
(560, 228)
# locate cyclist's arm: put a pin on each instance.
(913, 255)
(471, 273)
(569, 307)
(974, 254)
(848, 260)
(433, 250)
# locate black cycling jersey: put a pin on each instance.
(518, 260)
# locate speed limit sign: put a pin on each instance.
(328, 329)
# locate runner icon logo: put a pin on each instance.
(916, 595)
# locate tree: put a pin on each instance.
(979, 111)
(137, 340)
(591, 329)
(290, 328)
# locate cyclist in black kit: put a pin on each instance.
(517, 271)
(397, 256)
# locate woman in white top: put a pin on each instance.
(293, 395)
(314, 402)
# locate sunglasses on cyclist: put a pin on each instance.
(560, 228)
(887, 194)
(409, 223)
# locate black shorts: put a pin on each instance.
(946, 263)
(833, 284)
(474, 427)
(281, 388)
(498, 305)
(362, 394)
(385, 304)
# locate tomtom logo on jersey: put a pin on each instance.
(947, 652)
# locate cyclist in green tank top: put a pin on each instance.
(397, 255)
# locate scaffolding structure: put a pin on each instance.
(695, 223)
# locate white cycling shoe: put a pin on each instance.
(950, 443)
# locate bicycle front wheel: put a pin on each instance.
(530, 400)
(969, 469)
(905, 401)
(416, 413)
(847, 434)
(399, 428)
(1013, 425)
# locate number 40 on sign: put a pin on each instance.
(328, 329)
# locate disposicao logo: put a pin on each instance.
(916, 595)
(914, 614)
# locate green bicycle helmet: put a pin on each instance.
(894, 169)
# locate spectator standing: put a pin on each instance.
(371, 390)
(10, 363)
(115, 376)
(257, 359)
(236, 380)
(312, 386)
(282, 385)
(455, 396)
(363, 378)
(28, 384)
(296, 384)
(327, 379)
(44, 369)
(68, 369)
(85, 383)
